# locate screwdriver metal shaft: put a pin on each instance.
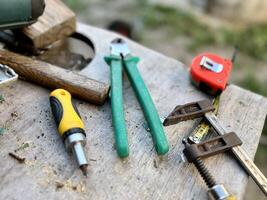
(76, 143)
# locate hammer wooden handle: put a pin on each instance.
(53, 77)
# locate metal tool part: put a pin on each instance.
(212, 146)
(121, 58)
(236, 49)
(240, 155)
(188, 111)
(211, 65)
(7, 75)
(119, 47)
(70, 125)
(216, 191)
(203, 127)
(75, 143)
(191, 111)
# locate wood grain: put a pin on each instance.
(53, 77)
(143, 175)
(57, 22)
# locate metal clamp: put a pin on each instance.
(212, 146)
(188, 111)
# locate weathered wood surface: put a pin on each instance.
(26, 115)
(57, 22)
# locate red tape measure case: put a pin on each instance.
(211, 72)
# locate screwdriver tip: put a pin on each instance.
(84, 169)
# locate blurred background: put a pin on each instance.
(183, 28)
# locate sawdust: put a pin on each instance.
(69, 186)
(30, 163)
(51, 178)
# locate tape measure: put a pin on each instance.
(210, 72)
(203, 127)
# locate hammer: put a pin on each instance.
(54, 77)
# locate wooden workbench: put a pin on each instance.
(50, 173)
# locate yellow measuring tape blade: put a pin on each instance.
(203, 127)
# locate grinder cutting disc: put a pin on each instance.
(74, 52)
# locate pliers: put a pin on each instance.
(121, 58)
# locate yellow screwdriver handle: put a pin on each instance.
(65, 113)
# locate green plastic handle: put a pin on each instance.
(146, 102)
(118, 118)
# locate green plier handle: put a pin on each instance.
(129, 63)
(118, 118)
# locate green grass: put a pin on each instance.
(251, 41)
(77, 5)
(261, 155)
(251, 83)
(264, 130)
(177, 23)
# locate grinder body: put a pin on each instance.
(19, 13)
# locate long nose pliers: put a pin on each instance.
(121, 58)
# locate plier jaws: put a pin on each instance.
(119, 47)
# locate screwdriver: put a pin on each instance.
(70, 125)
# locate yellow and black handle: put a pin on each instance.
(65, 113)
